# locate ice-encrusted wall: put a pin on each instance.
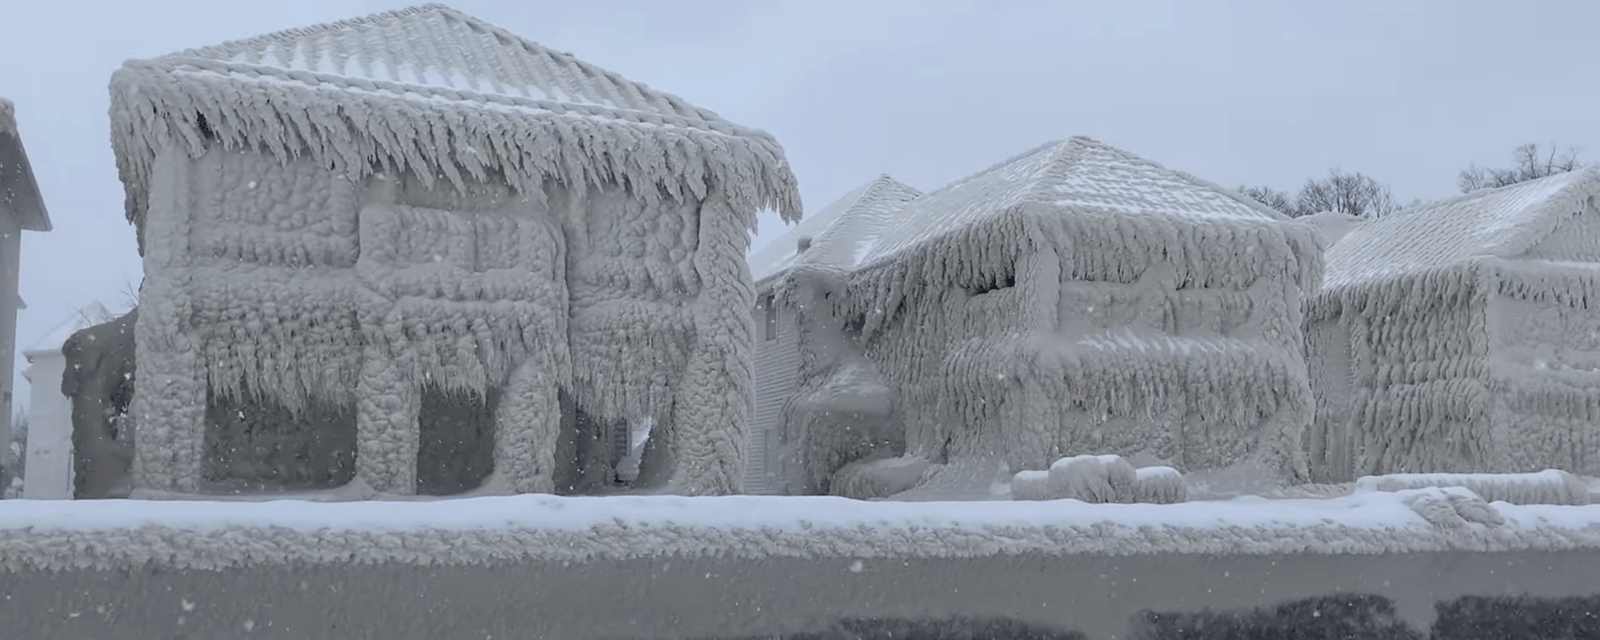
(839, 410)
(1037, 335)
(284, 284)
(1544, 374)
(1418, 360)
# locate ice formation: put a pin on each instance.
(1459, 337)
(821, 403)
(1077, 297)
(1550, 486)
(1100, 479)
(378, 213)
(1160, 485)
(99, 379)
(138, 534)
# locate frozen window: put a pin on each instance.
(772, 317)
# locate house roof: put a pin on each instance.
(1501, 222)
(840, 234)
(432, 89)
(19, 190)
(1075, 175)
(84, 317)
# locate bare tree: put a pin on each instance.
(1353, 193)
(1272, 198)
(1529, 162)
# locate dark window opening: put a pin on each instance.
(254, 443)
(455, 452)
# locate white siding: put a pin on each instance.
(777, 373)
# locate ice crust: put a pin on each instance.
(1550, 486)
(1459, 336)
(1100, 479)
(62, 535)
(1075, 298)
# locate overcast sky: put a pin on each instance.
(1260, 92)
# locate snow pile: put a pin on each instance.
(1545, 487)
(496, 530)
(1100, 479)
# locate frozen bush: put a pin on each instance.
(1160, 485)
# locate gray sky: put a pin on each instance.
(1246, 91)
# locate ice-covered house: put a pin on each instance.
(398, 251)
(1078, 299)
(844, 412)
(1463, 336)
(21, 209)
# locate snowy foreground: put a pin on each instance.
(483, 530)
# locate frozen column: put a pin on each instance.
(387, 431)
(712, 401)
(170, 402)
(526, 427)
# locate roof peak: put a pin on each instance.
(1080, 175)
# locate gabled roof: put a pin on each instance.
(841, 233)
(432, 89)
(1079, 175)
(19, 190)
(84, 317)
(1503, 222)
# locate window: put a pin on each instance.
(770, 305)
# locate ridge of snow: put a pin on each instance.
(484, 530)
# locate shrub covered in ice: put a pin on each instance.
(1031, 485)
(1451, 507)
(1160, 485)
(1100, 479)
(1545, 487)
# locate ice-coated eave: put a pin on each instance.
(361, 127)
(19, 190)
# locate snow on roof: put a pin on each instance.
(19, 190)
(211, 534)
(414, 87)
(1499, 223)
(86, 316)
(1079, 174)
(841, 233)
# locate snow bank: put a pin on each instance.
(1100, 479)
(1545, 487)
(216, 534)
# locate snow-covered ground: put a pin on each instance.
(214, 534)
